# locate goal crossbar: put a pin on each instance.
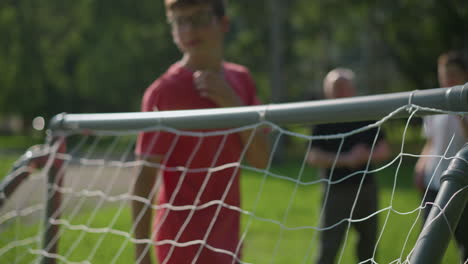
(313, 112)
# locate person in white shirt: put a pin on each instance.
(445, 136)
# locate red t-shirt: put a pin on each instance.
(186, 179)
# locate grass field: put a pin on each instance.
(278, 200)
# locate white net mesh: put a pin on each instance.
(281, 206)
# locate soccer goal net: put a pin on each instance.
(69, 201)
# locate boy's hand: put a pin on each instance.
(212, 85)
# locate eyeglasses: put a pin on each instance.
(197, 20)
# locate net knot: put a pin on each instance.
(262, 114)
(410, 107)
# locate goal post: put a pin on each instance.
(224, 121)
(446, 212)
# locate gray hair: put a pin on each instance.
(336, 74)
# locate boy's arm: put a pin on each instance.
(257, 154)
(356, 157)
(145, 187)
(212, 85)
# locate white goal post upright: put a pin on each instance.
(360, 108)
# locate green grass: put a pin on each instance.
(269, 198)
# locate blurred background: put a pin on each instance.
(87, 56)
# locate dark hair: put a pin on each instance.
(454, 57)
(219, 6)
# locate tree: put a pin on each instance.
(99, 56)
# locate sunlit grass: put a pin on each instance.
(280, 227)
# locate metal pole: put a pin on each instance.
(277, 55)
(50, 243)
(55, 177)
(440, 224)
(313, 112)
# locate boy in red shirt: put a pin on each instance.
(208, 231)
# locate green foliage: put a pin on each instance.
(84, 56)
(6, 164)
(99, 56)
(19, 142)
(416, 33)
